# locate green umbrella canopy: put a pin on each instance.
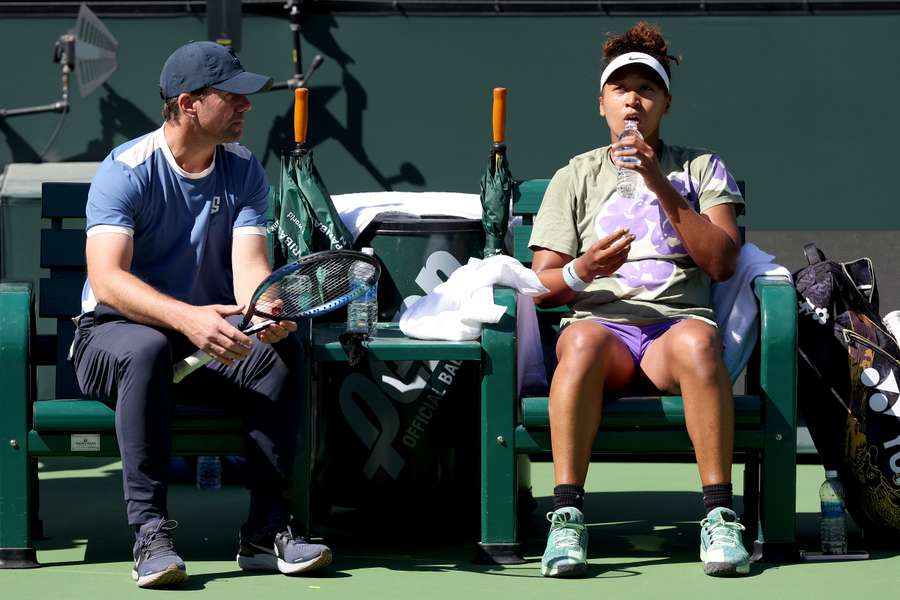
(306, 219)
(496, 190)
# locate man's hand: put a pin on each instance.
(604, 257)
(206, 328)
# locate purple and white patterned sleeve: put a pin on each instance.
(717, 185)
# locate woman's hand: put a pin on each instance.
(648, 168)
(605, 256)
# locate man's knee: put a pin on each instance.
(146, 348)
(281, 360)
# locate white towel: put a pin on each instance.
(457, 309)
(358, 210)
(736, 307)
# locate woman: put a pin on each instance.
(637, 273)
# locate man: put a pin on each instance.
(176, 244)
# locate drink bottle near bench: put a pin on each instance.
(834, 519)
(209, 472)
(362, 313)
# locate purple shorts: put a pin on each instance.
(638, 337)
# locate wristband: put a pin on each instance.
(572, 279)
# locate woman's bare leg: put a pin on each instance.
(590, 359)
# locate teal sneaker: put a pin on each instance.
(566, 552)
(721, 548)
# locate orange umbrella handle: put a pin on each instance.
(499, 115)
(301, 114)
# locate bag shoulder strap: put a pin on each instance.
(813, 254)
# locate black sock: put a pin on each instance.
(568, 495)
(268, 510)
(717, 495)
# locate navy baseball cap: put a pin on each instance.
(198, 65)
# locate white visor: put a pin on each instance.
(632, 58)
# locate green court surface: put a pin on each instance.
(643, 529)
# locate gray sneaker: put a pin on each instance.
(155, 561)
(281, 551)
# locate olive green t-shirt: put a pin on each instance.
(659, 280)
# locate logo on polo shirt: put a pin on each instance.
(214, 208)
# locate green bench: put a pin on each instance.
(69, 425)
(765, 433)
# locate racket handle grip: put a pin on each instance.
(188, 365)
(499, 115)
(301, 114)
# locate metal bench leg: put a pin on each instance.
(499, 485)
(301, 482)
(777, 542)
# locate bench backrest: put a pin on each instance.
(62, 251)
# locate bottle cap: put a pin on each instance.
(369, 251)
(829, 474)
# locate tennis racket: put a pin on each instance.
(313, 285)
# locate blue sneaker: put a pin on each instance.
(155, 561)
(721, 548)
(282, 551)
(566, 552)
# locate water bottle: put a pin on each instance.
(304, 287)
(628, 181)
(362, 313)
(209, 473)
(834, 520)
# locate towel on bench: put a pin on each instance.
(457, 309)
(736, 308)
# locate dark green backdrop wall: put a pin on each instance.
(802, 107)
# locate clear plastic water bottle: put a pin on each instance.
(629, 181)
(833, 522)
(304, 288)
(362, 313)
(209, 473)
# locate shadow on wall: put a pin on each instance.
(122, 120)
(328, 126)
(118, 116)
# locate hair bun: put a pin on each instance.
(643, 37)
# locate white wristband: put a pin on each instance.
(572, 279)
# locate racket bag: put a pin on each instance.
(847, 385)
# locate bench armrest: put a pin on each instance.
(16, 320)
(778, 355)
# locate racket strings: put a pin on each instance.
(309, 286)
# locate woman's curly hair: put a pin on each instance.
(643, 37)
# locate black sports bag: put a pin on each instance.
(847, 387)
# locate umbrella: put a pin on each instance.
(496, 184)
(305, 218)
